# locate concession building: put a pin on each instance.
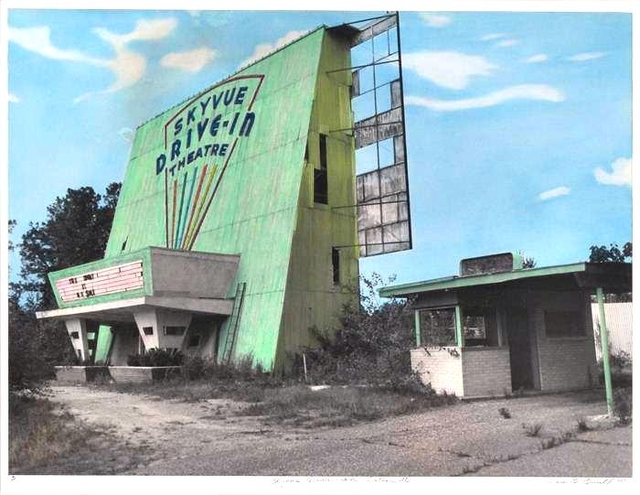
(498, 328)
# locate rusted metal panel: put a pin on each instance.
(355, 84)
(396, 93)
(379, 127)
(374, 29)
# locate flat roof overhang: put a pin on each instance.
(122, 311)
(611, 277)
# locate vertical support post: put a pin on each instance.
(77, 330)
(459, 340)
(604, 342)
(416, 315)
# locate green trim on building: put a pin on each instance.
(456, 282)
(140, 254)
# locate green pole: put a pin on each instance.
(459, 341)
(604, 341)
(416, 315)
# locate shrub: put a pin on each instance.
(28, 368)
(369, 346)
(156, 357)
(532, 430)
(621, 365)
(504, 412)
(623, 405)
(193, 367)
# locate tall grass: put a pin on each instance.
(339, 406)
(39, 434)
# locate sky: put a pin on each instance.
(518, 124)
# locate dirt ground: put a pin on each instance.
(171, 437)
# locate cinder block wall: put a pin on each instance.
(440, 368)
(486, 371)
(567, 364)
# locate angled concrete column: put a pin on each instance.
(161, 329)
(77, 329)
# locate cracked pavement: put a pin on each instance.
(466, 439)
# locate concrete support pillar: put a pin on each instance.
(162, 329)
(77, 329)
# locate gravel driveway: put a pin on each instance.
(469, 438)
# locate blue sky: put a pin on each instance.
(518, 124)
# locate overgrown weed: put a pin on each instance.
(38, 433)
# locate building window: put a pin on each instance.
(147, 330)
(75, 335)
(194, 340)
(172, 330)
(335, 262)
(474, 327)
(563, 324)
(320, 175)
(438, 327)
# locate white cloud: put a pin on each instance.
(435, 20)
(191, 61)
(265, 49)
(38, 40)
(620, 174)
(554, 193)
(583, 57)
(127, 66)
(13, 98)
(521, 92)
(145, 30)
(449, 69)
(493, 36)
(505, 43)
(126, 133)
(536, 59)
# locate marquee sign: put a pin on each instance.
(199, 141)
(112, 280)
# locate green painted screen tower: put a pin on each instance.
(256, 171)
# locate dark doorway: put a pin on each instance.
(519, 349)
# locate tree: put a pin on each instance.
(75, 232)
(602, 254)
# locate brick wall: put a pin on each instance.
(439, 368)
(486, 371)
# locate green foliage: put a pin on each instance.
(504, 412)
(602, 254)
(621, 365)
(156, 357)
(371, 344)
(76, 231)
(339, 406)
(27, 367)
(532, 430)
(623, 405)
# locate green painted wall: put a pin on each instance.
(312, 299)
